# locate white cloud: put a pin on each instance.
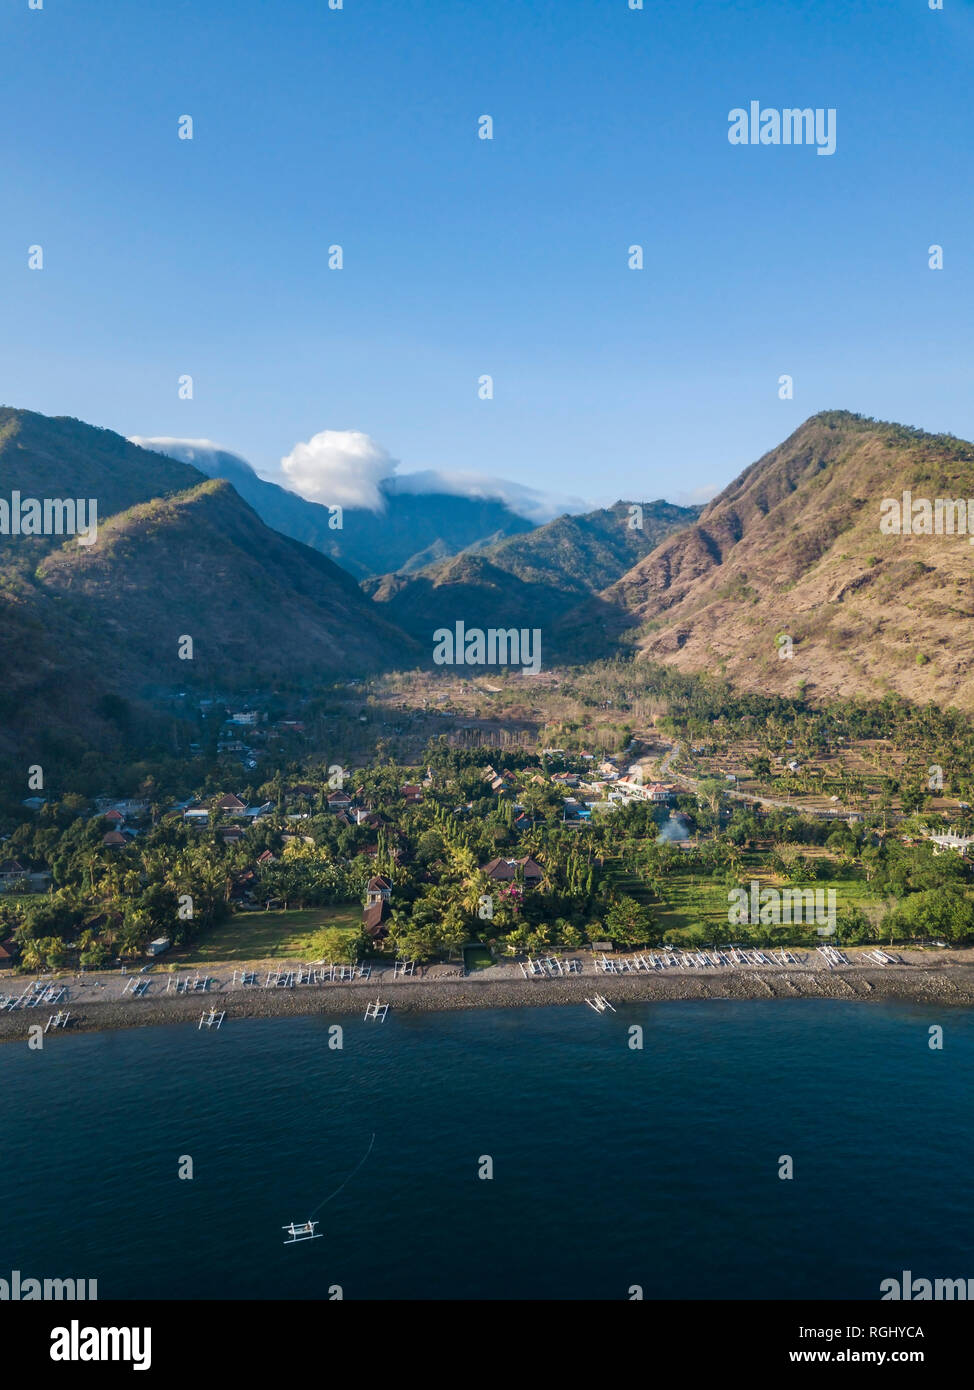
(698, 495)
(525, 501)
(343, 467)
(203, 453)
(350, 469)
(159, 443)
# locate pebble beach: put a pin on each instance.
(945, 978)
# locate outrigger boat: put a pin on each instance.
(304, 1230)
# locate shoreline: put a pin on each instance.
(949, 983)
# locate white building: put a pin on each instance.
(951, 840)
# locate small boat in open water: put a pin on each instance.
(304, 1230)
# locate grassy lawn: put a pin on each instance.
(691, 900)
(266, 936)
(477, 957)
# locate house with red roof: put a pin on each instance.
(378, 894)
(379, 890)
(373, 921)
(506, 871)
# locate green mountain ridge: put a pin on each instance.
(181, 556)
(528, 580)
(41, 455)
(411, 529)
(790, 549)
(251, 599)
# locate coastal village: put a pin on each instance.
(228, 821)
(535, 863)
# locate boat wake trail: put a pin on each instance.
(347, 1180)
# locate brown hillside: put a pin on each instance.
(260, 607)
(793, 546)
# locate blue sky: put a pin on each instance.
(507, 257)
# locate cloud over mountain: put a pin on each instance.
(528, 502)
(388, 522)
(350, 469)
(339, 467)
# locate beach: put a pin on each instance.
(106, 1001)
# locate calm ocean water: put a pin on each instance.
(612, 1167)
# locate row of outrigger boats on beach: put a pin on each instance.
(33, 996)
(726, 957)
(732, 957)
(693, 960)
(548, 967)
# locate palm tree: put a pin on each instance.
(30, 957)
(462, 861)
(132, 938)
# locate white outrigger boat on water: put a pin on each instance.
(304, 1230)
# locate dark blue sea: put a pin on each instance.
(612, 1167)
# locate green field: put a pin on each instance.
(265, 936)
(477, 957)
(691, 900)
(694, 900)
